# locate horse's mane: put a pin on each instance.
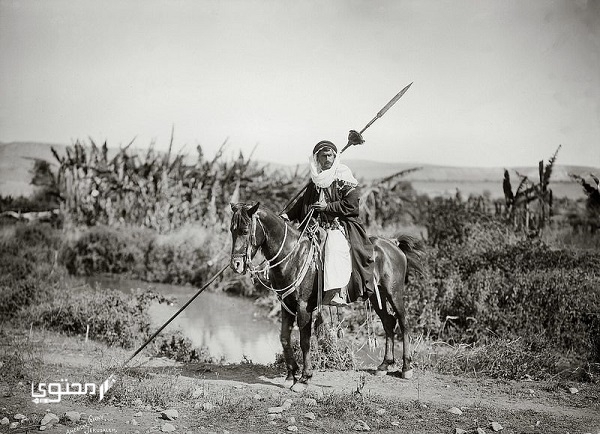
(241, 219)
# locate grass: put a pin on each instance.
(243, 406)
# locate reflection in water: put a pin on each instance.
(230, 328)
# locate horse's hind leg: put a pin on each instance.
(389, 324)
(285, 336)
(398, 305)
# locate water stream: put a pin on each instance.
(233, 329)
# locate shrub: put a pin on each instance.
(28, 267)
(511, 290)
(113, 317)
(103, 250)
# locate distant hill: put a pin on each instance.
(17, 158)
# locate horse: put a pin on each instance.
(292, 273)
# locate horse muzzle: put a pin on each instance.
(238, 264)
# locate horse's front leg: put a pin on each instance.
(305, 326)
(285, 336)
(389, 324)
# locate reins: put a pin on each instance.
(256, 272)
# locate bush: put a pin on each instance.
(103, 250)
(187, 256)
(28, 267)
(511, 290)
(113, 317)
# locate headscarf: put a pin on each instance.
(339, 171)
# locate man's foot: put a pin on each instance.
(337, 301)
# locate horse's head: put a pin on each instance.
(243, 235)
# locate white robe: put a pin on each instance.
(337, 261)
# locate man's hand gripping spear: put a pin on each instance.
(354, 138)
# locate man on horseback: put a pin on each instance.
(333, 198)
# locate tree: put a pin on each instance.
(530, 206)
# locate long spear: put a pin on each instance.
(206, 285)
(212, 279)
(379, 114)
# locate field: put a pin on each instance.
(505, 320)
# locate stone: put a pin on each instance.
(13, 425)
(361, 425)
(73, 416)
(208, 406)
(273, 416)
(292, 428)
(455, 410)
(459, 431)
(310, 415)
(20, 416)
(137, 402)
(497, 427)
(134, 422)
(138, 414)
(170, 414)
(291, 420)
(380, 412)
(480, 431)
(198, 392)
(573, 390)
(257, 397)
(43, 428)
(272, 410)
(49, 418)
(167, 427)
(4, 421)
(287, 404)
(198, 405)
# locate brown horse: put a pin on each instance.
(293, 274)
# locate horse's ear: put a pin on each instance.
(254, 208)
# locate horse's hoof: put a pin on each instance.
(380, 373)
(299, 387)
(407, 375)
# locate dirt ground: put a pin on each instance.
(238, 399)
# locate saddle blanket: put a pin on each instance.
(336, 260)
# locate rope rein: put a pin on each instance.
(256, 272)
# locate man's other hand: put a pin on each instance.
(320, 206)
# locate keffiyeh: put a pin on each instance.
(324, 178)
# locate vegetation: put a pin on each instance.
(497, 284)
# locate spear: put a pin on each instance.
(379, 114)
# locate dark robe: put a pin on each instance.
(342, 202)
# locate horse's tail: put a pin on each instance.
(413, 249)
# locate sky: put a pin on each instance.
(495, 83)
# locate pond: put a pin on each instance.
(232, 329)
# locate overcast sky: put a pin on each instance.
(496, 83)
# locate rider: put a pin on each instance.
(334, 196)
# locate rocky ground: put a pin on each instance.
(162, 396)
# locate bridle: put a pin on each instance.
(256, 272)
